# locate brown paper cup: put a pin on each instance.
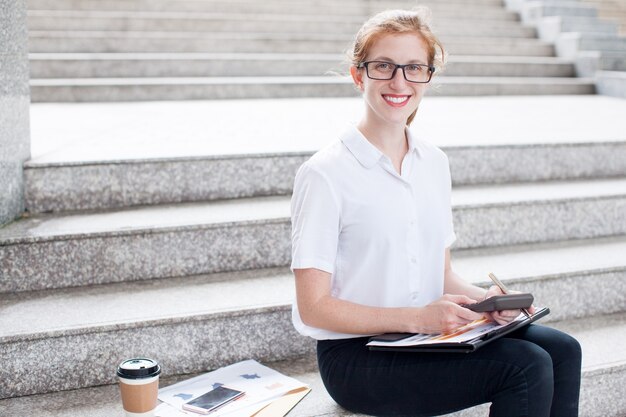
(139, 386)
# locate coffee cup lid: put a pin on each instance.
(137, 368)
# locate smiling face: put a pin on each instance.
(391, 102)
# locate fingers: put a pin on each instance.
(468, 314)
(464, 313)
(505, 316)
(458, 299)
(493, 290)
(509, 313)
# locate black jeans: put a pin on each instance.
(532, 372)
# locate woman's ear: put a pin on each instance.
(357, 77)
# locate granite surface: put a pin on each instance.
(613, 61)
(94, 322)
(351, 10)
(538, 162)
(577, 295)
(13, 29)
(591, 273)
(602, 42)
(132, 305)
(114, 132)
(556, 139)
(227, 88)
(131, 183)
(181, 65)
(331, 22)
(184, 346)
(104, 401)
(598, 399)
(344, 9)
(51, 41)
(115, 184)
(247, 64)
(95, 260)
(14, 107)
(171, 241)
(528, 222)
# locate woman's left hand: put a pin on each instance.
(504, 316)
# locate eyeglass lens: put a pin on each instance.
(386, 70)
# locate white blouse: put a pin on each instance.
(382, 236)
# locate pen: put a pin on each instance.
(505, 290)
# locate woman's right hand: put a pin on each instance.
(443, 315)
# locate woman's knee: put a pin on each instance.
(528, 386)
(558, 344)
(539, 364)
(569, 348)
(529, 365)
(563, 348)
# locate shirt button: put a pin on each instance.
(413, 260)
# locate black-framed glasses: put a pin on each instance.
(382, 70)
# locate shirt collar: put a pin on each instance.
(414, 145)
(366, 153)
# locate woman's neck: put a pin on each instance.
(389, 139)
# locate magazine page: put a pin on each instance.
(260, 384)
(462, 334)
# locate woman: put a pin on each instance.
(372, 229)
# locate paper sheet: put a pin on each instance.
(261, 385)
(462, 334)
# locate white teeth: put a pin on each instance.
(396, 100)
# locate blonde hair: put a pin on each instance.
(393, 22)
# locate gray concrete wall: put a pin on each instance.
(14, 107)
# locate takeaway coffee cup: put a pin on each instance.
(139, 386)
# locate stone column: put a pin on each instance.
(14, 107)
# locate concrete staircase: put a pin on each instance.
(114, 51)
(162, 228)
(591, 32)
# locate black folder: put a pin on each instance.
(456, 347)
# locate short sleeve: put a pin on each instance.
(315, 221)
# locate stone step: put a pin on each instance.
(114, 41)
(248, 233)
(582, 8)
(601, 42)
(600, 381)
(587, 25)
(229, 22)
(201, 88)
(248, 6)
(612, 83)
(157, 318)
(568, 9)
(613, 61)
(111, 155)
(115, 184)
(612, 3)
(219, 65)
(311, 18)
